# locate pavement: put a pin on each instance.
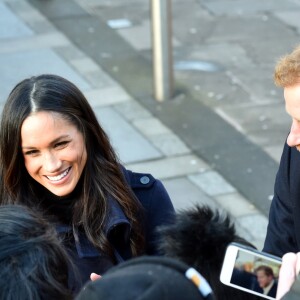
(218, 140)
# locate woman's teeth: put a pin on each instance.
(59, 177)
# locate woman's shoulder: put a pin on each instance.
(149, 190)
(139, 180)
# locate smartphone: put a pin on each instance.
(250, 270)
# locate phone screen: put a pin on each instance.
(252, 271)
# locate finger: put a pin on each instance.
(94, 276)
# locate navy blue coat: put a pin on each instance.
(283, 234)
(158, 210)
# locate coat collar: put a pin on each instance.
(115, 218)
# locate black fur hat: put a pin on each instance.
(148, 278)
(199, 237)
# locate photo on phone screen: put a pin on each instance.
(251, 271)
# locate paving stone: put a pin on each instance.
(272, 139)
(204, 88)
(256, 224)
(259, 85)
(267, 52)
(132, 110)
(275, 152)
(70, 52)
(59, 9)
(169, 144)
(265, 124)
(236, 204)
(128, 142)
(258, 243)
(247, 29)
(86, 3)
(185, 194)
(32, 17)
(171, 167)
(41, 27)
(139, 37)
(33, 43)
(233, 55)
(18, 6)
(212, 183)
(137, 13)
(191, 23)
(27, 13)
(151, 126)
(107, 96)
(85, 65)
(241, 7)
(245, 233)
(10, 25)
(290, 18)
(99, 79)
(17, 66)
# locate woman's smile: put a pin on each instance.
(60, 176)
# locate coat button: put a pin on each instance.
(144, 179)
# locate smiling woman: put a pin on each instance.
(54, 155)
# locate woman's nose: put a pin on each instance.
(293, 139)
(51, 162)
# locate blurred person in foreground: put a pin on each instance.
(283, 233)
(33, 263)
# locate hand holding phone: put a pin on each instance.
(250, 270)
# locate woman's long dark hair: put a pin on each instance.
(102, 175)
(33, 263)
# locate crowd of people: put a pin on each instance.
(71, 212)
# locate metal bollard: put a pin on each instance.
(162, 49)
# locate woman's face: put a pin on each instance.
(54, 151)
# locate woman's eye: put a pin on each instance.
(31, 152)
(61, 144)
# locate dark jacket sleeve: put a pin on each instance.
(281, 236)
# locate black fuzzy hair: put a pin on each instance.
(199, 237)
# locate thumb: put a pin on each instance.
(286, 274)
